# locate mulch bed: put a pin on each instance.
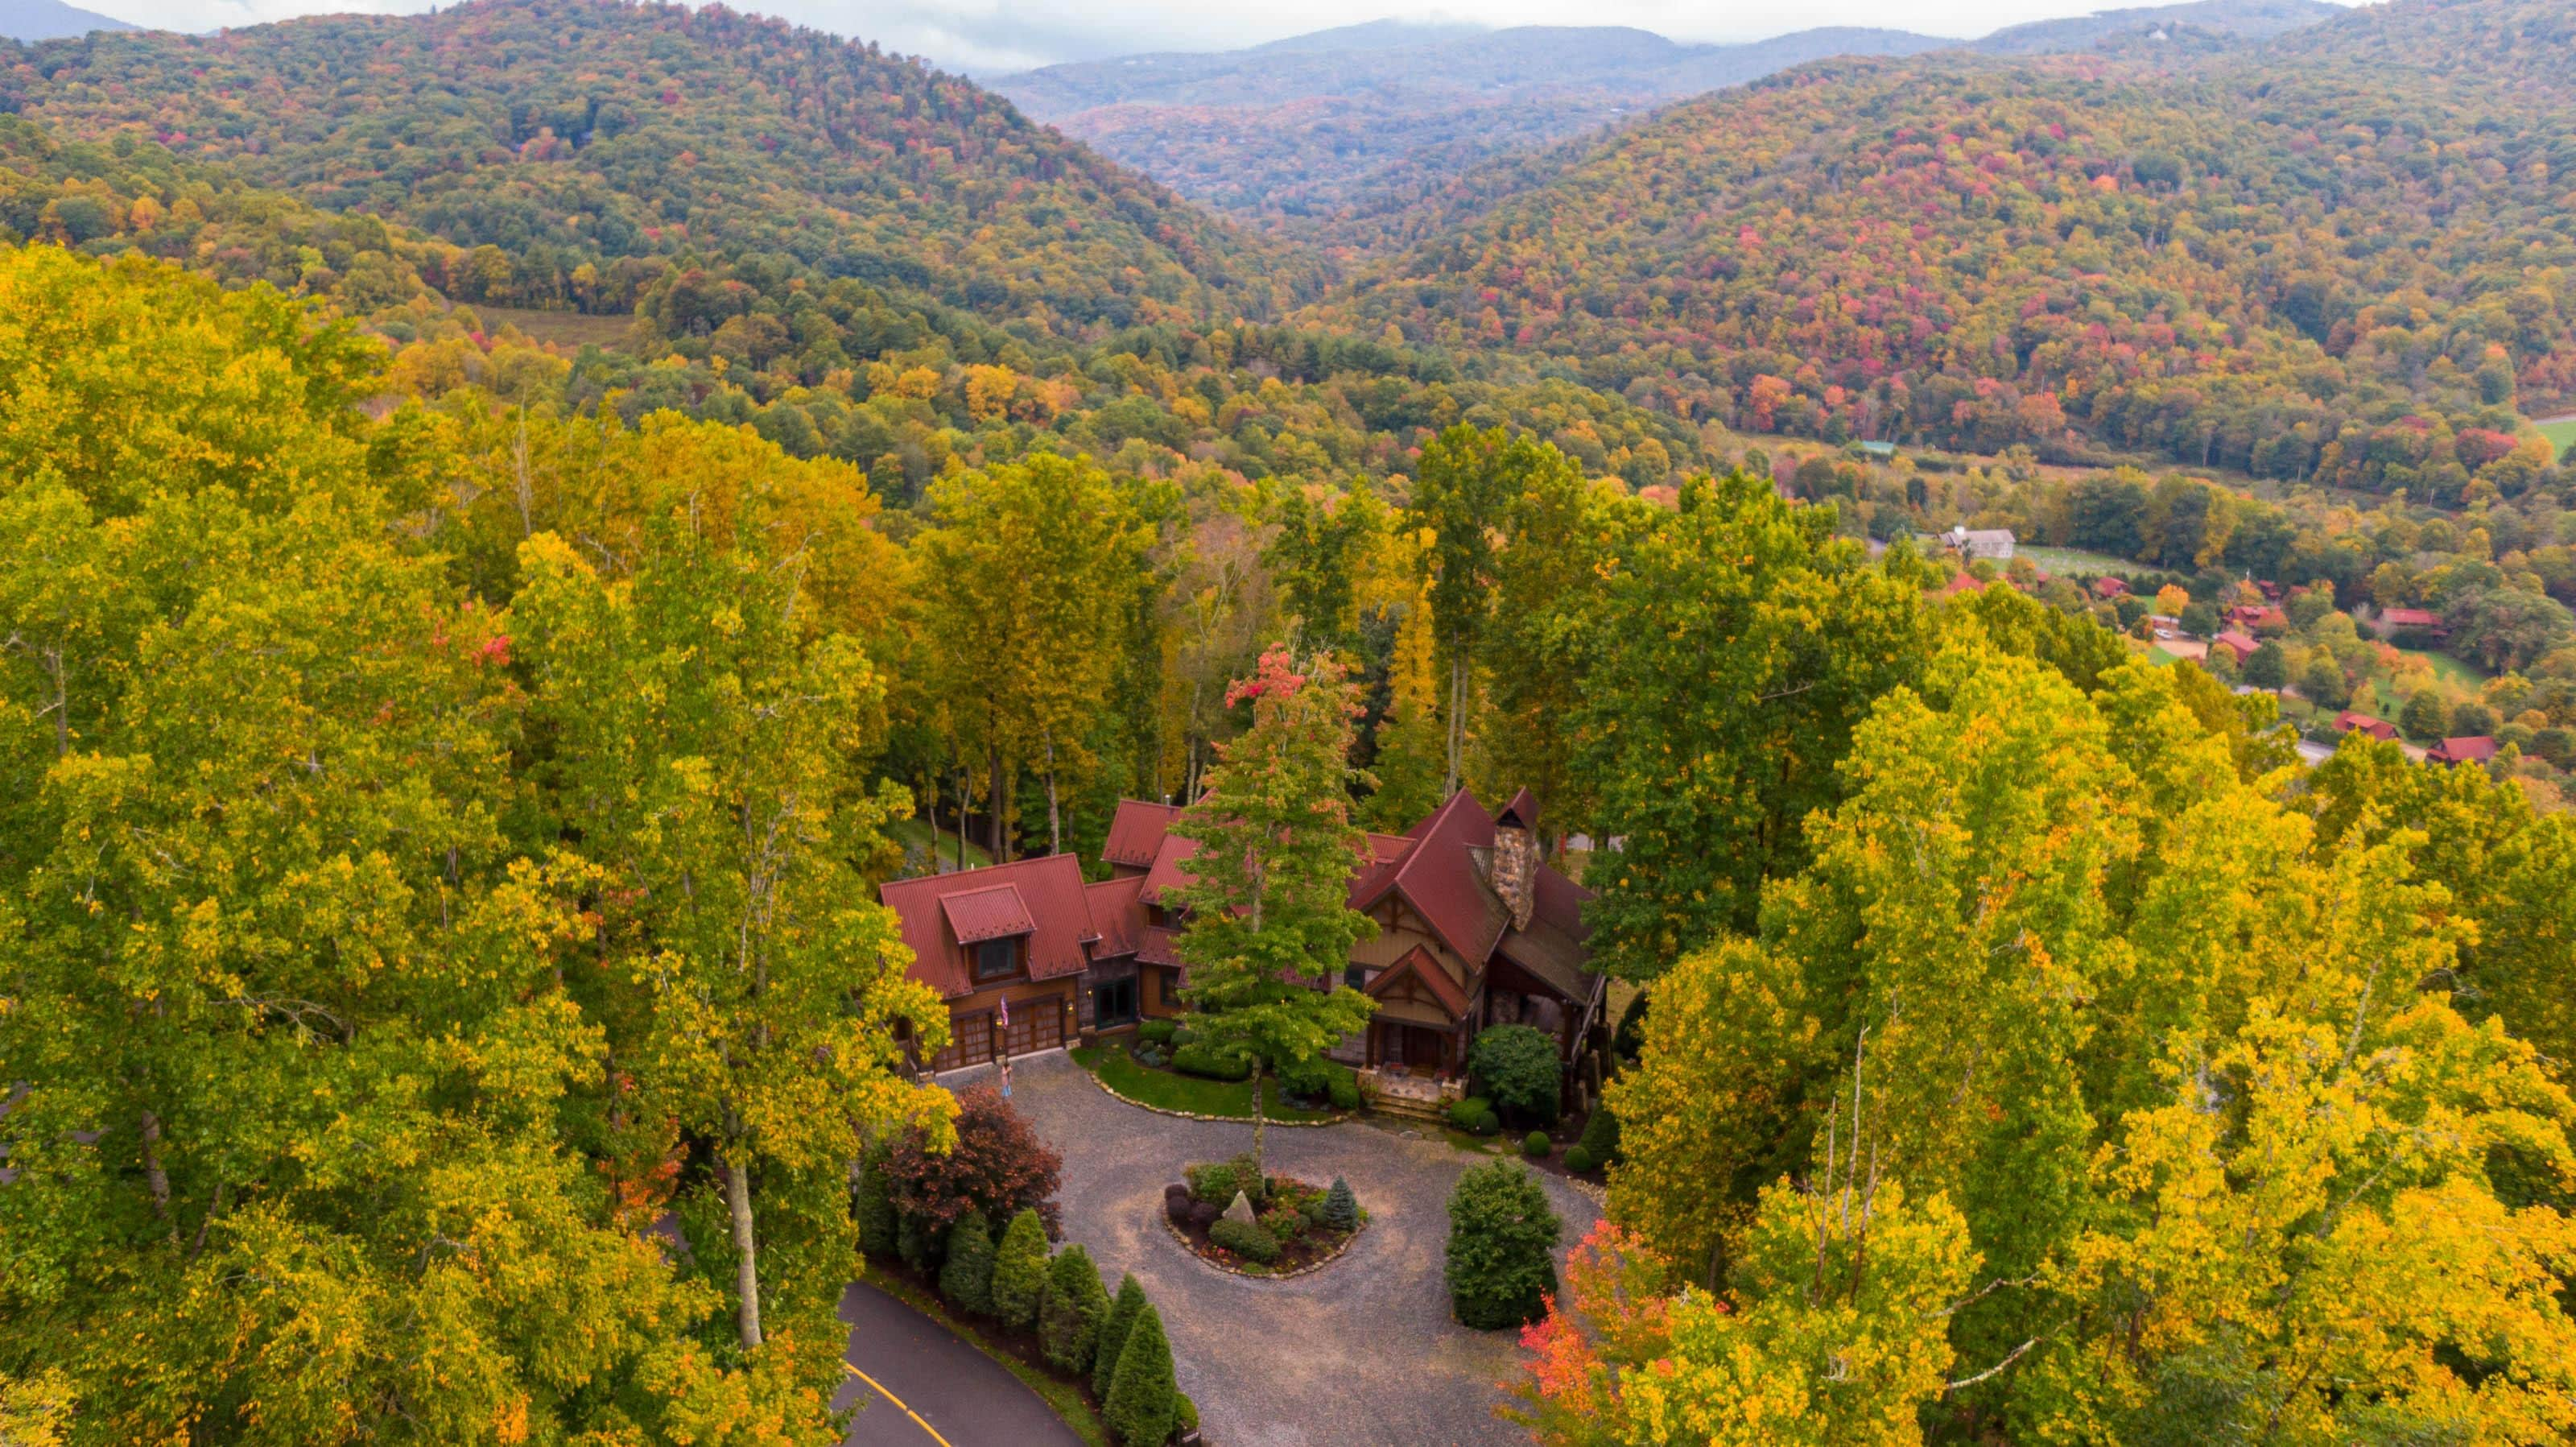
(1311, 1247)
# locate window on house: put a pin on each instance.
(1355, 975)
(997, 958)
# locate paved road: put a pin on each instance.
(1361, 1354)
(923, 1387)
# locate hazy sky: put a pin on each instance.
(989, 36)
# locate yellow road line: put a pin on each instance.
(898, 1401)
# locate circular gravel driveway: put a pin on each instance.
(1362, 1352)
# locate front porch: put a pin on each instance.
(1402, 1090)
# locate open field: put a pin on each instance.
(2561, 432)
(2063, 561)
(561, 329)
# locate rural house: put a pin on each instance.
(1474, 929)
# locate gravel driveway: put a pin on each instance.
(1362, 1352)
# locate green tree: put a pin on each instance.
(1070, 1320)
(1411, 737)
(1726, 654)
(1019, 584)
(1020, 1272)
(1499, 1265)
(1123, 1311)
(2424, 718)
(1269, 924)
(1143, 1398)
(966, 1278)
(1546, 557)
(2268, 666)
(1463, 483)
(705, 755)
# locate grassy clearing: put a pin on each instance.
(1067, 1400)
(2560, 431)
(915, 834)
(560, 329)
(1171, 1090)
(2063, 561)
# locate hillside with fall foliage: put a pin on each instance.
(576, 151)
(2323, 262)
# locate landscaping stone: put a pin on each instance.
(1241, 1210)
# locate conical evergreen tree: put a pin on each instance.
(875, 1210)
(1141, 1406)
(1113, 1335)
(967, 1280)
(1020, 1272)
(1341, 1211)
(1069, 1322)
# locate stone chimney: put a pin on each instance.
(1512, 869)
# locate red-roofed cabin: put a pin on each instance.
(2408, 620)
(2240, 644)
(1474, 929)
(1019, 933)
(2378, 728)
(2251, 618)
(2476, 749)
(2110, 587)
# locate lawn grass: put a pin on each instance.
(915, 834)
(1067, 1400)
(1171, 1090)
(2059, 562)
(2560, 432)
(560, 329)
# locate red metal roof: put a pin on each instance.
(2409, 618)
(1136, 832)
(1167, 873)
(2109, 587)
(2474, 749)
(986, 914)
(1118, 914)
(2350, 720)
(2235, 642)
(1049, 893)
(1439, 878)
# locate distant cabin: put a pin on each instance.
(2350, 721)
(1995, 545)
(2475, 749)
(2392, 621)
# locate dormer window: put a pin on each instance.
(998, 959)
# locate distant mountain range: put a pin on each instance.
(1304, 133)
(51, 20)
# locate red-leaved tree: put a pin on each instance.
(999, 1167)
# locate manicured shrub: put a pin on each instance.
(1183, 1035)
(1465, 1114)
(918, 1240)
(1321, 1079)
(1185, 1413)
(1536, 1145)
(1176, 1202)
(1489, 1124)
(1205, 1213)
(1158, 1032)
(967, 1280)
(1113, 1334)
(1515, 1066)
(1141, 1406)
(1213, 1182)
(999, 1167)
(1578, 1158)
(1020, 1271)
(1248, 1239)
(1249, 1179)
(1341, 1209)
(1601, 1134)
(874, 1209)
(1069, 1322)
(1208, 1062)
(1284, 1223)
(1501, 1231)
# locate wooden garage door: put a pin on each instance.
(970, 1041)
(1036, 1025)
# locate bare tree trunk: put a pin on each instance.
(1260, 1119)
(746, 1270)
(1457, 720)
(1055, 821)
(154, 1175)
(993, 787)
(965, 792)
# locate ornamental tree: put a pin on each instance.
(1501, 1233)
(997, 1165)
(1270, 929)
